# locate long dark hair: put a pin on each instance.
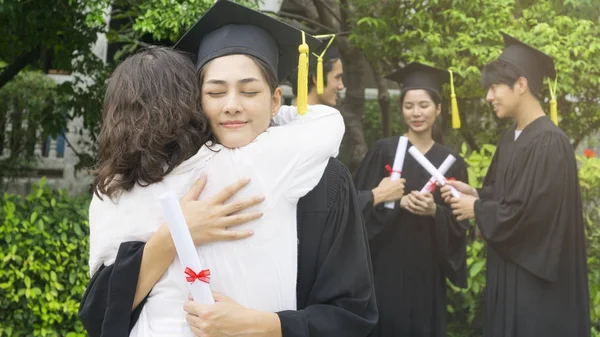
(436, 130)
(151, 122)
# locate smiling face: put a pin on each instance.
(419, 110)
(237, 99)
(334, 84)
(505, 99)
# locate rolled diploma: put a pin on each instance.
(186, 250)
(448, 162)
(398, 164)
(427, 165)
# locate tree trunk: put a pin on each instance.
(355, 146)
(17, 65)
(383, 98)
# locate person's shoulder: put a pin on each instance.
(388, 141)
(338, 180)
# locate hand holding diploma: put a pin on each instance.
(398, 165)
(430, 185)
(196, 276)
(427, 165)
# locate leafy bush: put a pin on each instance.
(43, 263)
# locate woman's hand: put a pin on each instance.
(227, 318)
(208, 220)
(420, 203)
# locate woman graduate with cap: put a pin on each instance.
(319, 272)
(529, 210)
(419, 243)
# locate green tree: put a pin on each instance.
(465, 35)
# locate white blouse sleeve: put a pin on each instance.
(291, 156)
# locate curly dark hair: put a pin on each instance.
(152, 120)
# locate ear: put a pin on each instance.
(276, 101)
(438, 110)
(521, 86)
(314, 80)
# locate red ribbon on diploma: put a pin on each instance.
(391, 170)
(203, 276)
(433, 186)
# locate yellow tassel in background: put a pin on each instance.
(320, 79)
(454, 103)
(320, 75)
(553, 103)
(302, 99)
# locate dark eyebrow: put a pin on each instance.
(248, 80)
(220, 82)
(242, 81)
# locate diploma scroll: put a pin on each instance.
(398, 164)
(196, 277)
(448, 162)
(427, 165)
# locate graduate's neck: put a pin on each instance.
(529, 110)
(421, 140)
(313, 97)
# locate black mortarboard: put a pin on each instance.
(533, 64)
(530, 61)
(419, 76)
(228, 28)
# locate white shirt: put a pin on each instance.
(284, 164)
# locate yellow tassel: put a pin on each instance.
(319, 75)
(454, 103)
(553, 103)
(302, 99)
(320, 79)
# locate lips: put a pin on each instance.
(233, 124)
(419, 123)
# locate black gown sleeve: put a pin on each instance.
(450, 234)
(340, 299)
(527, 225)
(105, 309)
(487, 189)
(368, 176)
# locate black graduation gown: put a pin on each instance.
(412, 255)
(335, 294)
(530, 215)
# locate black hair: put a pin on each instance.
(502, 72)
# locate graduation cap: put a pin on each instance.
(228, 28)
(533, 63)
(420, 76)
(327, 51)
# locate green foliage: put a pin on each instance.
(56, 28)
(589, 177)
(441, 33)
(43, 263)
(31, 105)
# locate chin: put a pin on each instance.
(235, 142)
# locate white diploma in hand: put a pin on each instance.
(448, 162)
(196, 277)
(397, 167)
(427, 165)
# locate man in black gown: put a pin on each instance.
(529, 210)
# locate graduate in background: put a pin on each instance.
(529, 209)
(325, 77)
(419, 244)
